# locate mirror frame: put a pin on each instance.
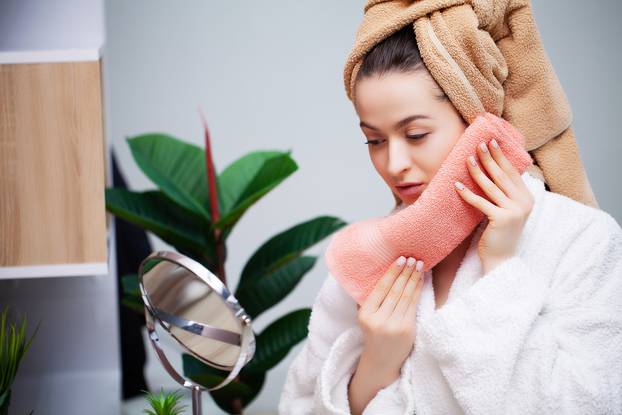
(152, 315)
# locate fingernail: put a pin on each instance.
(401, 260)
(419, 266)
(410, 262)
(483, 147)
(472, 161)
(459, 185)
(494, 143)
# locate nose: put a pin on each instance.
(399, 157)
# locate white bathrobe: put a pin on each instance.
(541, 333)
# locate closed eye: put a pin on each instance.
(416, 136)
(412, 137)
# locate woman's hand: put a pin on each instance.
(509, 206)
(387, 318)
(388, 315)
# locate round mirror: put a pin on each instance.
(194, 307)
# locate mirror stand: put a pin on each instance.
(196, 400)
(197, 310)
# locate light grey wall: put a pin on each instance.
(269, 76)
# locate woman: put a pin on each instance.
(523, 316)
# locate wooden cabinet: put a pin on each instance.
(52, 169)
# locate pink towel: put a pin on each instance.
(429, 229)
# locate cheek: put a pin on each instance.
(379, 161)
(376, 160)
(450, 137)
(453, 134)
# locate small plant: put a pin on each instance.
(164, 403)
(13, 347)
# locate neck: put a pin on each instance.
(452, 261)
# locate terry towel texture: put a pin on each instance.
(487, 56)
(538, 334)
(430, 228)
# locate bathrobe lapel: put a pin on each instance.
(466, 275)
(427, 378)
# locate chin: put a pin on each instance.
(412, 201)
(406, 203)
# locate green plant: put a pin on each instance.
(13, 346)
(195, 209)
(164, 403)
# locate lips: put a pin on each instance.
(412, 190)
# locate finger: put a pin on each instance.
(411, 311)
(514, 175)
(409, 291)
(497, 153)
(498, 176)
(394, 294)
(374, 299)
(477, 201)
(490, 188)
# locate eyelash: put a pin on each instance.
(412, 137)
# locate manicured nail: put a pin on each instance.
(419, 266)
(483, 147)
(472, 161)
(494, 143)
(401, 260)
(459, 185)
(410, 262)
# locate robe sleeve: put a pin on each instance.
(318, 378)
(521, 342)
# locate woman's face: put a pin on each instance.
(410, 129)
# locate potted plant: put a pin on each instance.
(194, 209)
(164, 403)
(13, 346)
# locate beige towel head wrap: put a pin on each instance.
(487, 55)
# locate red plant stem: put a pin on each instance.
(213, 196)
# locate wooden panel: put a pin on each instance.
(52, 164)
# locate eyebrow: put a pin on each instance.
(400, 123)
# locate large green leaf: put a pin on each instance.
(176, 167)
(260, 294)
(287, 245)
(249, 178)
(5, 400)
(246, 386)
(276, 340)
(154, 211)
(129, 283)
(131, 293)
(133, 303)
